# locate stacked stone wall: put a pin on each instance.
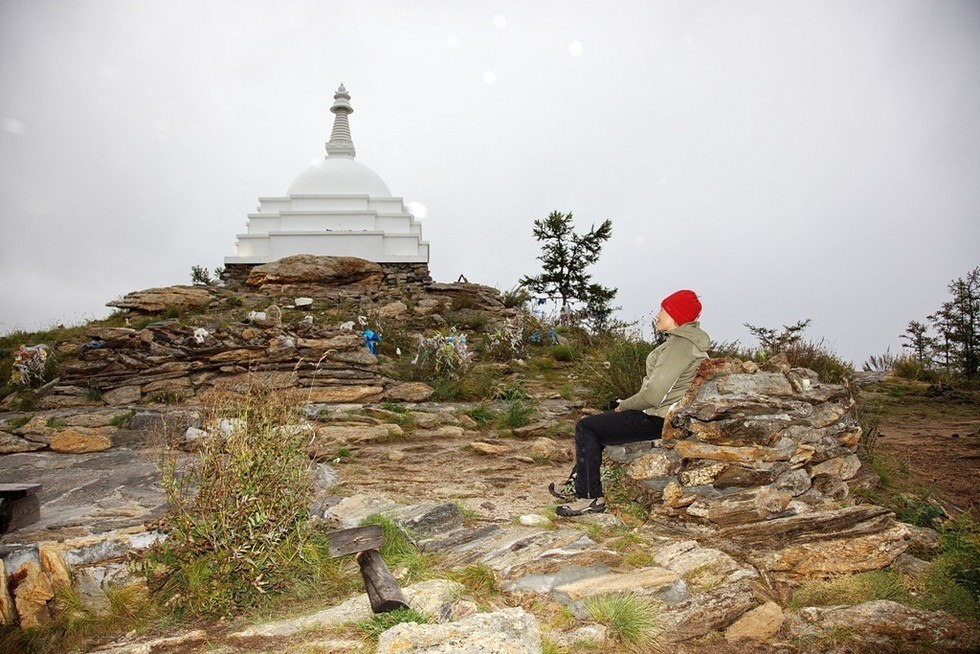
(748, 445)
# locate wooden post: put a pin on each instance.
(382, 588)
(19, 506)
(363, 542)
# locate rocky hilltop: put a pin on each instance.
(750, 493)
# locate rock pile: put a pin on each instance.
(281, 342)
(746, 447)
(761, 462)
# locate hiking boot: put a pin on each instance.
(564, 490)
(581, 506)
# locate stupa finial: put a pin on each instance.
(340, 143)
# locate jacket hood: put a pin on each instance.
(692, 331)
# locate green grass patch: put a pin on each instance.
(517, 414)
(19, 421)
(852, 589)
(483, 415)
(951, 583)
(379, 623)
(122, 420)
(478, 580)
(631, 619)
(400, 552)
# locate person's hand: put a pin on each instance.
(618, 402)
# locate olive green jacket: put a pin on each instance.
(671, 368)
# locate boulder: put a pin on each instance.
(759, 625)
(508, 631)
(392, 310)
(339, 394)
(10, 444)
(32, 592)
(310, 269)
(79, 440)
(883, 625)
(410, 392)
(819, 543)
(8, 613)
(483, 447)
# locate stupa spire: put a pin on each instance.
(340, 143)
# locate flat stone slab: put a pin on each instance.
(83, 494)
(520, 551)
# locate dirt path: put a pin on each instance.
(939, 446)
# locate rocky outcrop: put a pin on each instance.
(283, 343)
(156, 300)
(883, 625)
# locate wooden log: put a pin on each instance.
(382, 588)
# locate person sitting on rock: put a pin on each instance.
(670, 370)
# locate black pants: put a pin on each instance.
(593, 433)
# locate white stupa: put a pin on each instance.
(336, 207)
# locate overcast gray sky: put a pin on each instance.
(785, 159)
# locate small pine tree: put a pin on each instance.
(773, 342)
(957, 323)
(919, 342)
(200, 276)
(565, 258)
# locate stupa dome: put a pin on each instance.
(339, 176)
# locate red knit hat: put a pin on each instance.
(682, 306)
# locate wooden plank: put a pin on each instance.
(381, 586)
(358, 539)
(14, 491)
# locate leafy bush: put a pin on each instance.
(201, 276)
(922, 513)
(474, 320)
(511, 391)
(617, 492)
(819, 358)
(238, 527)
(912, 369)
(516, 298)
